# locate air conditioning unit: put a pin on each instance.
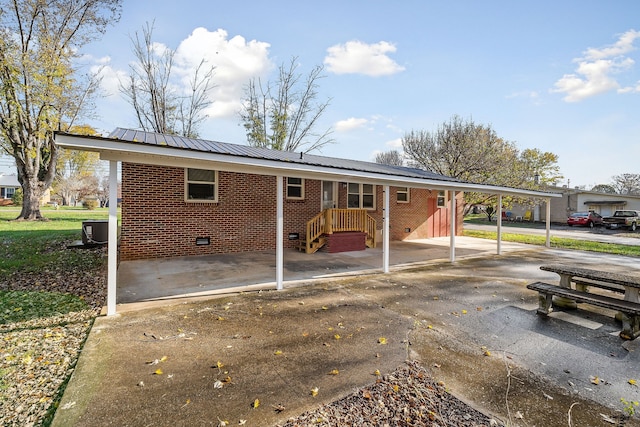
(95, 232)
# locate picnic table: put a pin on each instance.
(583, 278)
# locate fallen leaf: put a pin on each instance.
(366, 394)
(278, 408)
(334, 372)
(594, 380)
(382, 340)
(242, 422)
(158, 372)
(217, 384)
(314, 391)
(632, 382)
(164, 359)
(464, 311)
(219, 365)
(377, 372)
(256, 403)
(277, 352)
(487, 353)
(336, 336)
(608, 419)
(324, 307)
(519, 415)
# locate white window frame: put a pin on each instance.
(442, 198)
(9, 192)
(187, 182)
(361, 195)
(403, 190)
(290, 185)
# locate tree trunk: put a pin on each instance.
(32, 193)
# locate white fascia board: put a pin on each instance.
(115, 150)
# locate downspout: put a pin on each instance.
(112, 263)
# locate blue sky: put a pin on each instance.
(560, 76)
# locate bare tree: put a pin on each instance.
(40, 91)
(283, 116)
(475, 153)
(158, 103)
(392, 157)
(627, 183)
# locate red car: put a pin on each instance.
(585, 219)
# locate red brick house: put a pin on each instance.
(162, 218)
(184, 197)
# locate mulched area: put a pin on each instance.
(38, 356)
(406, 397)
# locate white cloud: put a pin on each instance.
(622, 46)
(236, 60)
(356, 57)
(395, 144)
(350, 124)
(596, 70)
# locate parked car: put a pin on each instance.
(585, 219)
(623, 219)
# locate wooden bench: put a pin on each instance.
(629, 310)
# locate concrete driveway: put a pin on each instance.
(472, 323)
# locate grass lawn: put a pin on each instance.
(31, 245)
(559, 242)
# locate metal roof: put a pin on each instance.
(201, 145)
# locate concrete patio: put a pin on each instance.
(160, 279)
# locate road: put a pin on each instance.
(598, 234)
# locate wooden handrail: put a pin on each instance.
(332, 221)
(315, 229)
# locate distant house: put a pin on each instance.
(183, 197)
(8, 186)
(578, 200)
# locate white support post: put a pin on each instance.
(280, 234)
(548, 242)
(112, 263)
(385, 233)
(452, 231)
(499, 222)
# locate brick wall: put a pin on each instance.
(157, 222)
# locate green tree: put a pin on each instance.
(40, 90)
(159, 103)
(76, 170)
(283, 116)
(604, 188)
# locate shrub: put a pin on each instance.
(17, 197)
(90, 204)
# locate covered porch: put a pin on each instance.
(153, 282)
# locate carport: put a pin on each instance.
(131, 146)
